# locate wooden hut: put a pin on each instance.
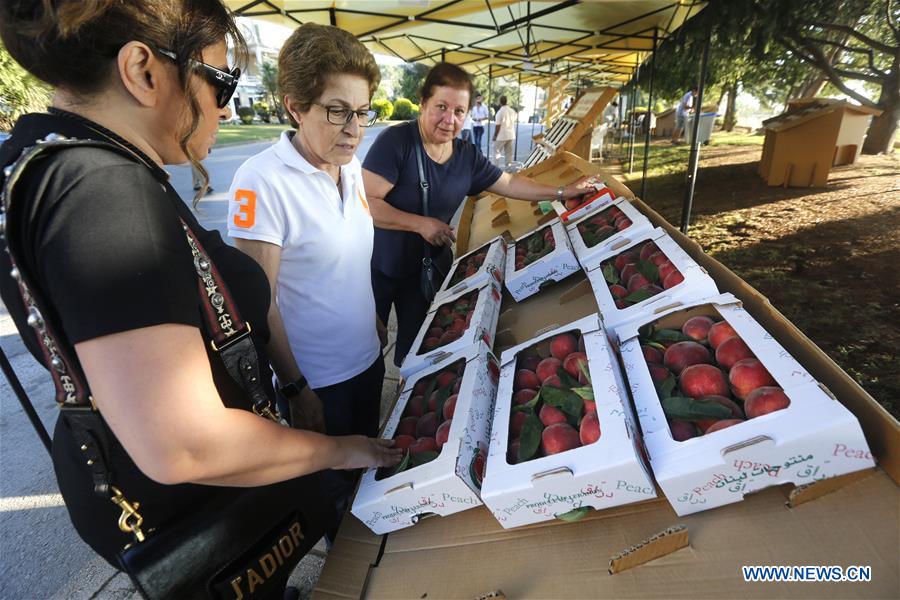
(665, 123)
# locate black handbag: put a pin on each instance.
(435, 261)
(242, 545)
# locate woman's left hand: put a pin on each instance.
(585, 185)
(382, 332)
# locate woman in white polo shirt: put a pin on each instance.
(299, 209)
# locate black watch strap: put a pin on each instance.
(294, 388)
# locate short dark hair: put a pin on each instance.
(448, 75)
(503, 101)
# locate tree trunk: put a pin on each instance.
(730, 109)
(883, 128)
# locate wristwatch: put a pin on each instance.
(559, 193)
(293, 388)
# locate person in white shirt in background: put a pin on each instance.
(466, 133)
(685, 106)
(300, 210)
(505, 132)
(479, 114)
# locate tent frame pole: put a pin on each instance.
(694, 157)
(647, 120)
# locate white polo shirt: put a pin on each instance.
(324, 288)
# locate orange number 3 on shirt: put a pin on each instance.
(246, 211)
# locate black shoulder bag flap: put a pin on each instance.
(241, 545)
(434, 268)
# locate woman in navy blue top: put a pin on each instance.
(454, 169)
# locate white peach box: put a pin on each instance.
(697, 283)
(601, 197)
(608, 472)
(555, 266)
(482, 326)
(492, 268)
(450, 483)
(585, 253)
(814, 438)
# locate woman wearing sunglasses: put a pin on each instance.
(102, 235)
(299, 208)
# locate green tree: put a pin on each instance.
(20, 93)
(410, 82)
(500, 86)
(270, 85)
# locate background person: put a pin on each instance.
(479, 119)
(110, 256)
(454, 170)
(505, 132)
(685, 106)
(466, 134)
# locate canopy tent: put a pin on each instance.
(602, 41)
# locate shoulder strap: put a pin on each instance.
(420, 163)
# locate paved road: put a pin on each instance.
(41, 556)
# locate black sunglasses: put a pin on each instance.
(225, 82)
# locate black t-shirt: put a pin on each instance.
(101, 233)
(392, 156)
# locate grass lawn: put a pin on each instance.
(236, 134)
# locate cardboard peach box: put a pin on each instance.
(481, 326)
(585, 253)
(555, 266)
(450, 482)
(608, 472)
(491, 268)
(697, 283)
(815, 437)
(601, 197)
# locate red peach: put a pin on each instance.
(684, 354)
(604, 232)
(552, 381)
(435, 332)
(747, 375)
(626, 257)
(648, 249)
(658, 372)
(590, 405)
(415, 407)
(563, 345)
(407, 426)
(529, 362)
(723, 424)
(432, 400)
(403, 442)
(589, 430)
(620, 304)
(720, 332)
(599, 221)
(512, 452)
(623, 224)
(524, 396)
(423, 444)
(458, 326)
(442, 434)
(430, 343)
(697, 327)
(427, 425)
(637, 281)
(548, 367)
(550, 415)
(457, 385)
(653, 289)
(764, 400)
(698, 380)
(728, 403)
(572, 362)
(449, 407)
(673, 279)
(516, 420)
(629, 270)
(618, 291)
(445, 378)
(666, 269)
(420, 387)
(526, 380)
(731, 351)
(445, 310)
(651, 354)
(559, 438)
(682, 430)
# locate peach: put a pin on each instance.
(459, 325)
(449, 407)
(563, 345)
(430, 343)
(548, 367)
(618, 291)
(434, 332)
(658, 258)
(636, 282)
(697, 381)
(748, 375)
(407, 426)
(403, 442)
(449, 336)
(625, 258)
(764, 400)
(684, 354)
(423, 444)
(666, 269)
(599, 221)
(515, 423)
(658, 372)
(589, 430)
(552, 381)
(524, 396)
(415, 407)
(697, 328)
(445, 310)
(672, 279)
(427, 425)
(724, 423)
(571, 363)
(629, 270)
(590, 405)
(432, 400)
(512, 452)
(442, 434)
(623, 224)
(682, 430)
(651, 354)
(445, 378)
(457, 385)
(620, 304)
(529, 362)
(728, 403)
(525, 379)
(420, 387)
(731, 351)
(550, 415)
(559, 438)
(604, 232)
(720, 332)
(648, 249)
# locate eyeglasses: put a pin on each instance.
(337, 115)
(224, 82)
